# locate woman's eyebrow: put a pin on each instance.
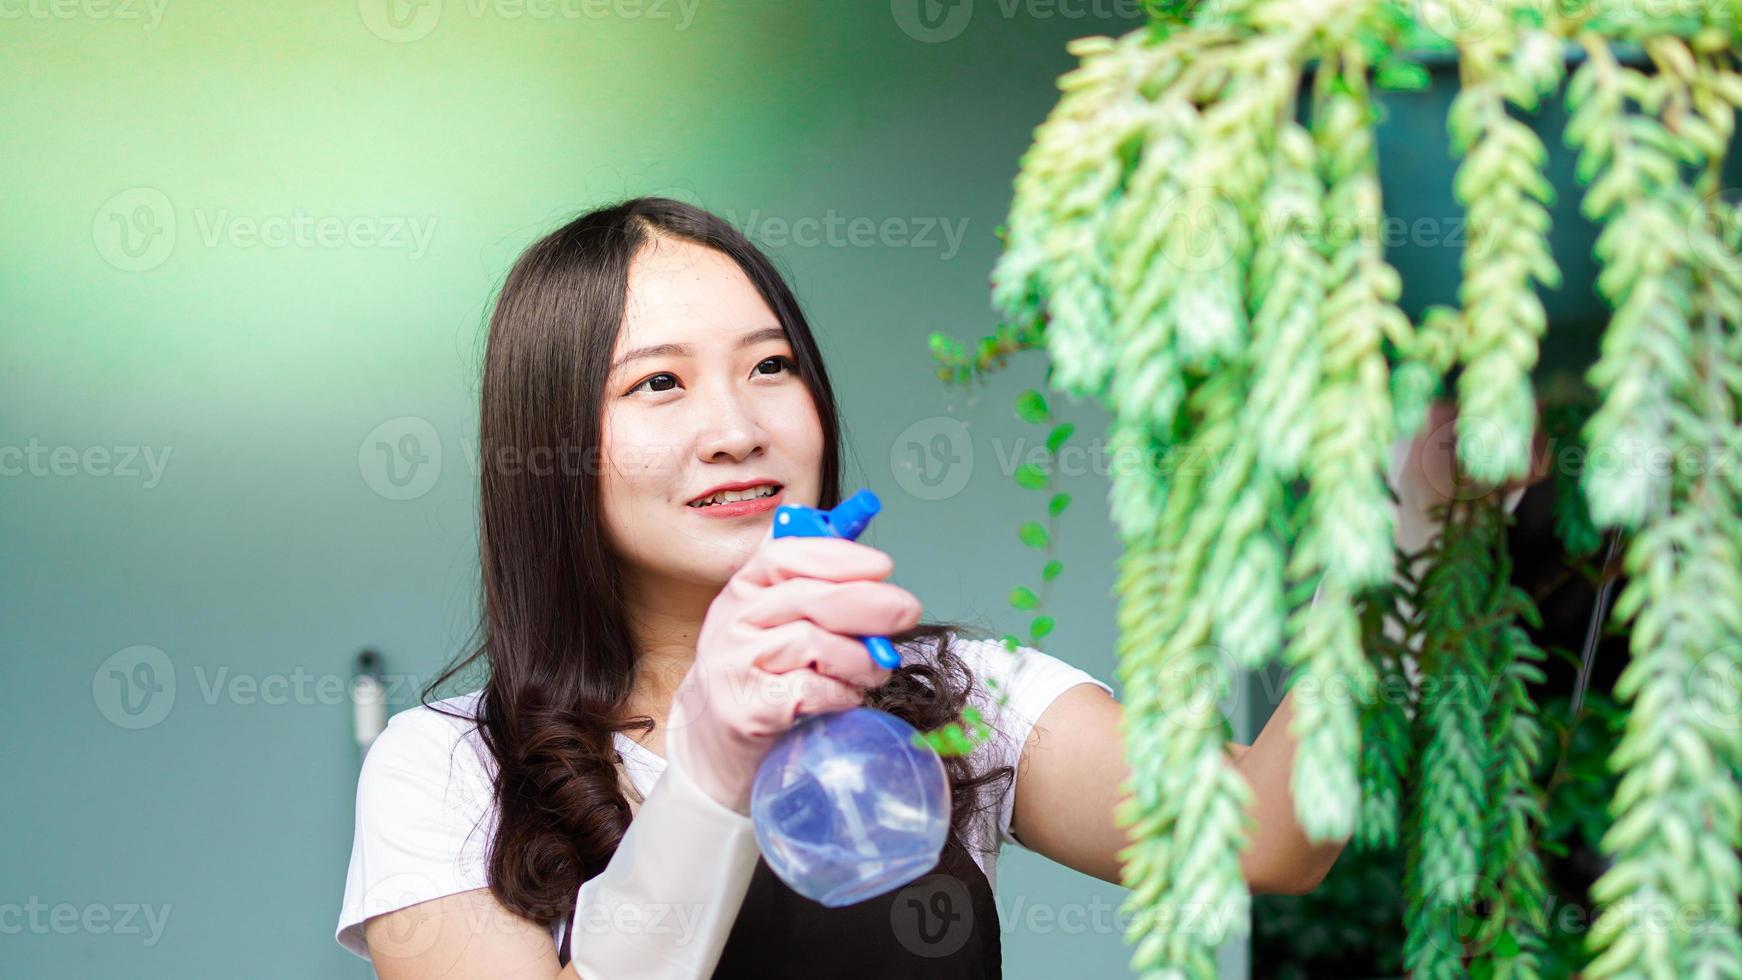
(658, 350)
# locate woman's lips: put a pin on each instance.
(740, 508)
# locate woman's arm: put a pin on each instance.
(460, 937)
(1068, 786)
(1074, 759)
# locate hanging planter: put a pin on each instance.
(1173, 248)
(1425, 229)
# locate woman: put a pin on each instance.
(646, 640)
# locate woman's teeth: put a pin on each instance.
(728, 496)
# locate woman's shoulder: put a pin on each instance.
(1014, 684)
(424, 814)
(435, 745)
(1011, 689)
(448, 720)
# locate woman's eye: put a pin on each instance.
(652, 378)
(648, 382)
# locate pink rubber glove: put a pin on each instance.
(781, 639)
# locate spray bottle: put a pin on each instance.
(848, 805)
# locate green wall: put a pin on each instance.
(241, 237)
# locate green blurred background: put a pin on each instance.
(245, 242)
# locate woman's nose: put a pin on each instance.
(729, 428)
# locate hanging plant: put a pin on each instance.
(1038, 473)
(1172, 247)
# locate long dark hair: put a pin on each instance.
(553, 634)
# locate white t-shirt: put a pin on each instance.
(425, 812)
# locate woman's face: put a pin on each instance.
(702, 391)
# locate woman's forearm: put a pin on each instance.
(1281, 860)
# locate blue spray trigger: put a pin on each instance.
(846, 520)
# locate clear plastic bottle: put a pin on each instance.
(849, 805)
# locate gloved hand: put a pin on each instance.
(781, 639)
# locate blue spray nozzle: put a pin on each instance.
(846, 520)
(851, 516)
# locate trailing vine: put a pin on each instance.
(1171, 247)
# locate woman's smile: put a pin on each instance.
(741, 508)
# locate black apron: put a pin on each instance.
(943, 925)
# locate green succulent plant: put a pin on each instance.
(1167, 249)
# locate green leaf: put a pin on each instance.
(1041, 626)
(1031, 407)
(971, 715)
(1052, 570)
(1031, 477)
(1058, 503)
(1400, 75)
(1033, 534)
(1506, 947)
(1058, 435)
(1010, 643)
(1023, 597)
